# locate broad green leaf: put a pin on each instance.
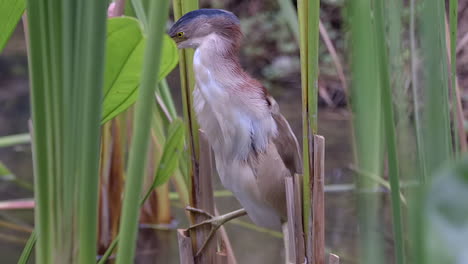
(448, 214)
(171, 153)
(10, 14)
(125, 47)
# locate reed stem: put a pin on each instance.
(141, 132)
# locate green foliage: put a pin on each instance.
(171, 153)
(12, 140)
(390, 131)
(7, 175)
(448, 214)
(125, 51)
(141, 132)
(26, 254)
(10, 14)
(4, 172)
(308, 15)
(366, 105)
(66, 61)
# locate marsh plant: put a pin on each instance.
(103, 119)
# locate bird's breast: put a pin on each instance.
(226, 123)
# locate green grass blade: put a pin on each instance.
(290, 16)
(95, 33)
(167, 97)
(140, 13)
(453, 67)
(39, 117)
(140, 141)
(109, 250)
(13, 140)
(173, 148)
(187, 79)
(421, 167)
(366, 102)
(438, 140)
(308, 14)
(28, 248)
(391, 143)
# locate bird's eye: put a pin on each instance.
(180, 34)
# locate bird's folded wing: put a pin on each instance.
(285, 141)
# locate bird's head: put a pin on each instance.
(194, 27)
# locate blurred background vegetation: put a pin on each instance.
(271, 54)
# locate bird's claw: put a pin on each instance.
(215, 221)
(198, 211)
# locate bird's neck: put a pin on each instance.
(217, 58)
(218, 52)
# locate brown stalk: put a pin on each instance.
(111, 184)
(295, 241)
(457, 109)
(333, 259)
(334, 55)
(204, 201)
(462, 42)
(185, 247)
(316, 234)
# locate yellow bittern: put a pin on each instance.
(253, 144)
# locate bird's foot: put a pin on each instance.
(215, 221)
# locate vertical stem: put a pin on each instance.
(459, 134)
(93, 80)
(367, 123)
(318, 197)
(141, 132)
(416, 97)
(392, 153)
(437, 133)
(188, 84)
(308, 13)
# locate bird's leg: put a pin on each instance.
(215, 221)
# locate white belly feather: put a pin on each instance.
(230, 129)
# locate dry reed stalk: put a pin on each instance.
(457, 109)
(333, 259)
(290, 241)
(185, 247)
(221, 258)
(316, 234)
(462, 42)
(295, 241)
(336, 60)
(203, 200)
(111, 184)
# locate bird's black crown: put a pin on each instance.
(188, 17)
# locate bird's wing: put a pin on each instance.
(281, 159)
(285, 141)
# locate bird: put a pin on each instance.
(254, 146)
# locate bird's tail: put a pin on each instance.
(287, 244)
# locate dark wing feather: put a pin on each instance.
(286, 142)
